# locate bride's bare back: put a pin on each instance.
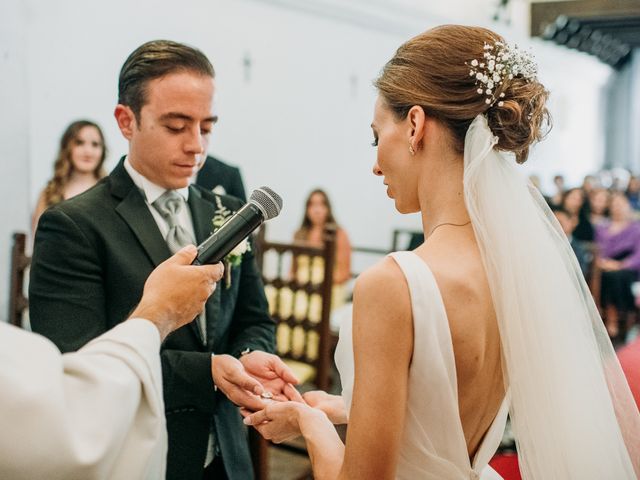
(453, 257)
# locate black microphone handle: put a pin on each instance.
(227, 237)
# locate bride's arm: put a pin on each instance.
(383, 344)
(281, 421)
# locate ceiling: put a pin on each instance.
(607, 29)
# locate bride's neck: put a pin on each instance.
(441, 192)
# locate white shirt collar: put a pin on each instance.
(150, 190)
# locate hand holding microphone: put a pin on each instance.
(176, 291)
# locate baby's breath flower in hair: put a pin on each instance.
(500, 63)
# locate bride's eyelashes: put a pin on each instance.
(375, 142)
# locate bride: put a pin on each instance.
(490, 315)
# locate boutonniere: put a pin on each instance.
(234, 257)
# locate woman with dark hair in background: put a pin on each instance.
(317, 214)
(558, 194)
(305, 269)
(598, 206)
(78, 166)
(491, 313)
(573, 202)
(633, 192)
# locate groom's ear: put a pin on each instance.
(126, 120)
(417, 122)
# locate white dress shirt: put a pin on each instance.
(151, 192)
(97, 413)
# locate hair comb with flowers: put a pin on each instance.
(500, 63)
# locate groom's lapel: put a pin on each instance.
(134, 211)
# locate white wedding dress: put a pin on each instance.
(571, 408)
(433, 444)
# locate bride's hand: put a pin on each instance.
(332, 405)
(281, 421)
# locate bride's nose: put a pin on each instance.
(377, 171)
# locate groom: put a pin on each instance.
(93, 253)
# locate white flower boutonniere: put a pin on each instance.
(234, 257)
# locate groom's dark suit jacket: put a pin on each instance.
(91, 258)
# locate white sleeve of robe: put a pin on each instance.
(96, 413)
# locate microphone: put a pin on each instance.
(264, 204)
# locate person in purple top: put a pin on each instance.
(619, 243)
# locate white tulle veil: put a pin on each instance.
(572, 410)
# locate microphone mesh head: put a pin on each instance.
(268, 201)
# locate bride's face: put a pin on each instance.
(394, 162)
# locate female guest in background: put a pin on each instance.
(78, 166)
(633, 192)
(556, 198)
(598, 206)
(574, 203)
(619, 244)
(317, 215)
(568, 225)
(490, 313)
(306, 269)
(589, 183)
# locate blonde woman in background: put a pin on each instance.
(78, 166)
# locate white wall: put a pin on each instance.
(302, 118)
(14, 127)
(575, 147)
(623, 115)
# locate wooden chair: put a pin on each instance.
(300, 304)
(20, 261)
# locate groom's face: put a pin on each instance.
(167, 142)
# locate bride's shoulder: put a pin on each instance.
(382, 284)
(382, 315)
(385, 273)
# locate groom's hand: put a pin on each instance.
(231, 378)
(274, 375)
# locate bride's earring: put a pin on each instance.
(411, 150)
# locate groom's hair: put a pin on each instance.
(156, 59)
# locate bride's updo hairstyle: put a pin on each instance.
(435, 70)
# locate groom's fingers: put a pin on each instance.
(242, 398)
(242, 380)
(283, 371)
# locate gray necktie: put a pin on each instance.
(169, 205)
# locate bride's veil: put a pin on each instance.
(571, 408)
